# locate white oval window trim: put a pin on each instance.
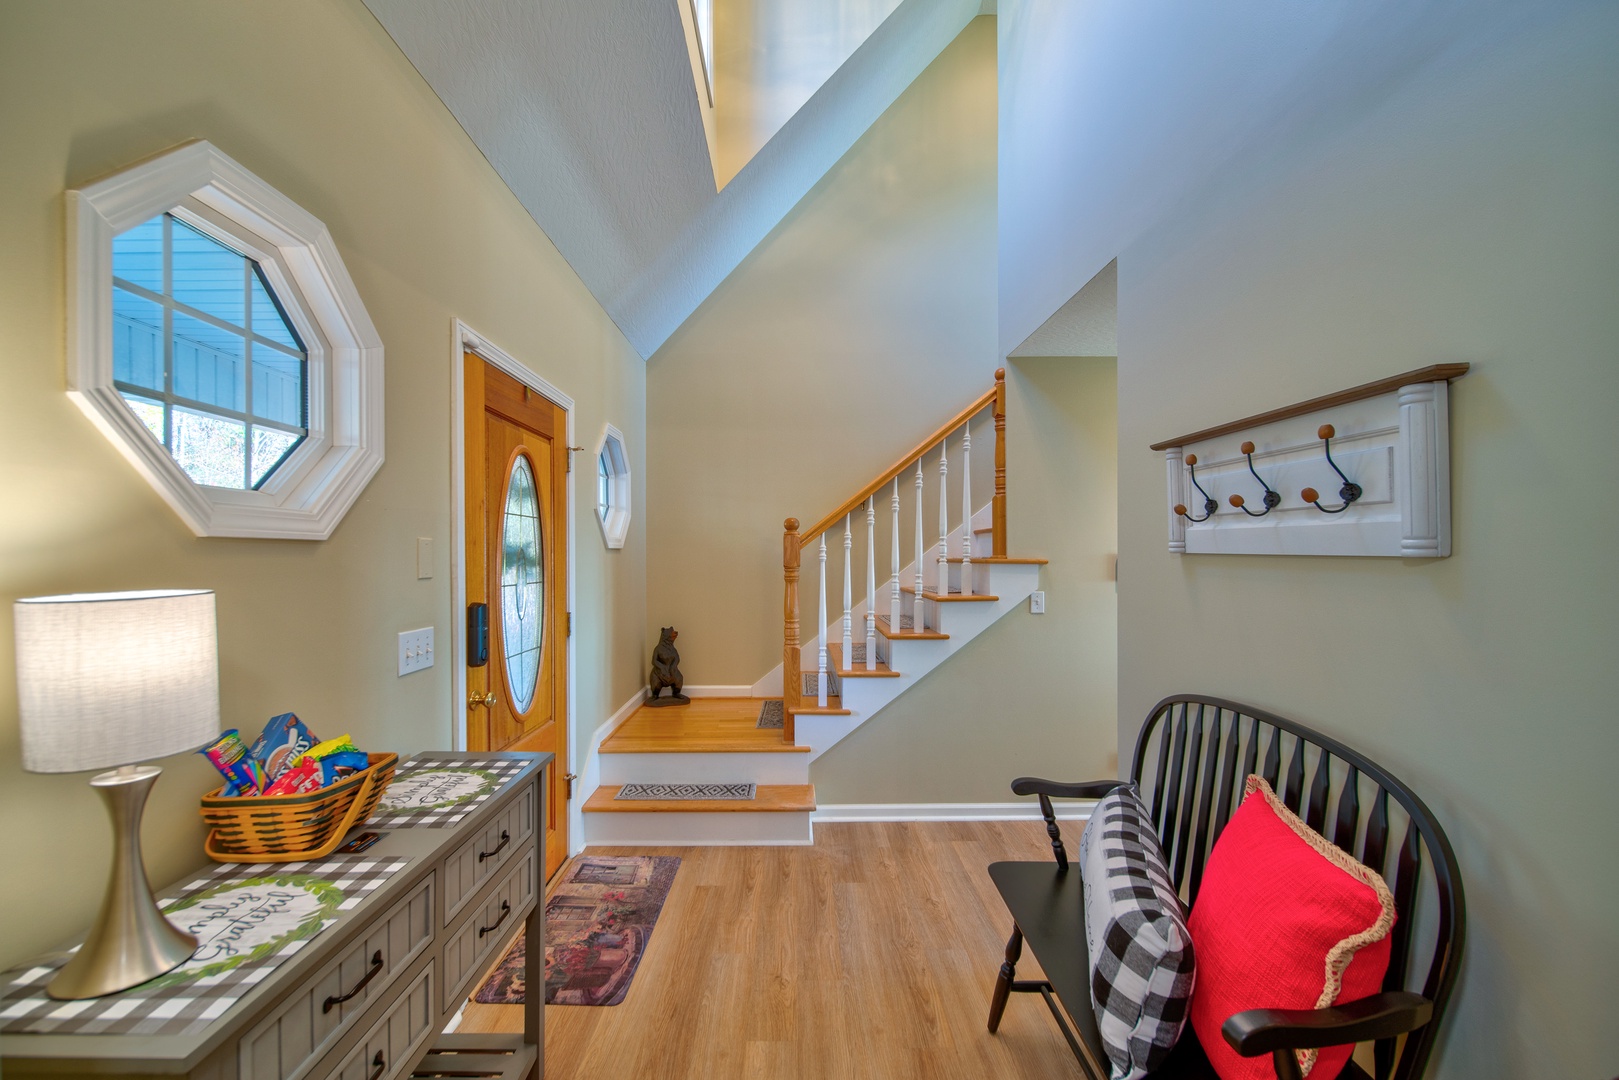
(318, 483)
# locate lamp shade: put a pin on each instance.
(106, 679)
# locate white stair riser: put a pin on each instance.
(766, 768)
(864, 698)
(698, 829)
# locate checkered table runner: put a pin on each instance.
(429, 794)
(248, 919)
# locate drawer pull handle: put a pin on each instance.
(505, 838)
(379, 1065)
(376, 967)
(505, 910)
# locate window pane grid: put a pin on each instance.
(232, 399)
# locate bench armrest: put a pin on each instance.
(1381, 1016)
(1051, 789)
(1085, 789)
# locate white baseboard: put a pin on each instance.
(590, 770)
(717, 691)
(1079, 810)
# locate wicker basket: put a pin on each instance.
(291, 828)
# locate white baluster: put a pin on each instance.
(821, 679)
(848, 595)
(966, 512)
(871, 584)
(893, 566)
(944, 520)
(916, 606)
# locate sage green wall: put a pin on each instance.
(1466, 212)
(1033, 694)
(861, 323)
(315, 98)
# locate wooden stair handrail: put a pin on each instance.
(993, 395)
(793, 540)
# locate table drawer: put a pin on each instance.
(303, 1026)
(393, 1041)
(483, 856)
(469, 946)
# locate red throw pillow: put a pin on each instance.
(1284, 920)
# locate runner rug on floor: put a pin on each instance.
(597, 925)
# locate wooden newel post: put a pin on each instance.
(792, 681)
(998, 506)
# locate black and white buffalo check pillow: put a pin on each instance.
(1135, 925)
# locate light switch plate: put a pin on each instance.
(424, 558)
(1037, 603)
(415, 650)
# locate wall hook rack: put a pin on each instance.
(1392, 436)
(1209, 505)
(1272, 499)
(1348, 493)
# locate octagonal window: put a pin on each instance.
(203, 353)
(216, 339)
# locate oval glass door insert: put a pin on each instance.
(522, 584)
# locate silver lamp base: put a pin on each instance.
(131, 941)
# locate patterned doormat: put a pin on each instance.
(598, 922)
(687, 792)
(771, 715)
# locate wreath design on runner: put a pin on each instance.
(421, 790)
(243, 922)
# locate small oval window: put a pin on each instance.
(522, 584)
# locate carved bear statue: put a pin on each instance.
(666, 671)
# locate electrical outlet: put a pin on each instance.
(1037, 603)
(415, 650)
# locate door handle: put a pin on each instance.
(475, 699)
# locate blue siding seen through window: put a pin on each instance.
(205, 355)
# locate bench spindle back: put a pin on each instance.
(1191, 760)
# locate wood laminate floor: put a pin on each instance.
(871, 954)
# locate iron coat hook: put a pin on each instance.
(1348, 493)
(1272, 499)
(1209, 505)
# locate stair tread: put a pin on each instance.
(951, 598)
(916, 635)
(833, 707)
(706, 726)
(1002, 560)
(771, 798)
(834, 652)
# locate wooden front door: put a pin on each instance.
(517, 558)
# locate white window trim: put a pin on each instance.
(311, 491)
(615, 524)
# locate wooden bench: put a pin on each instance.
(1191, 759)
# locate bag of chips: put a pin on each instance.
(298, 780)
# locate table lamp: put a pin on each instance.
(114, 679)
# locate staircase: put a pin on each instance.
(958, 582)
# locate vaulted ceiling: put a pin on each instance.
(588, 111)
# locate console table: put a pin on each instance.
(368, 997)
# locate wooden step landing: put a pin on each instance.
(1001, 560)
(706, 726)
(952, 598)
(834, 652)
(915, 635)
(783, 798)
(833, 707)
